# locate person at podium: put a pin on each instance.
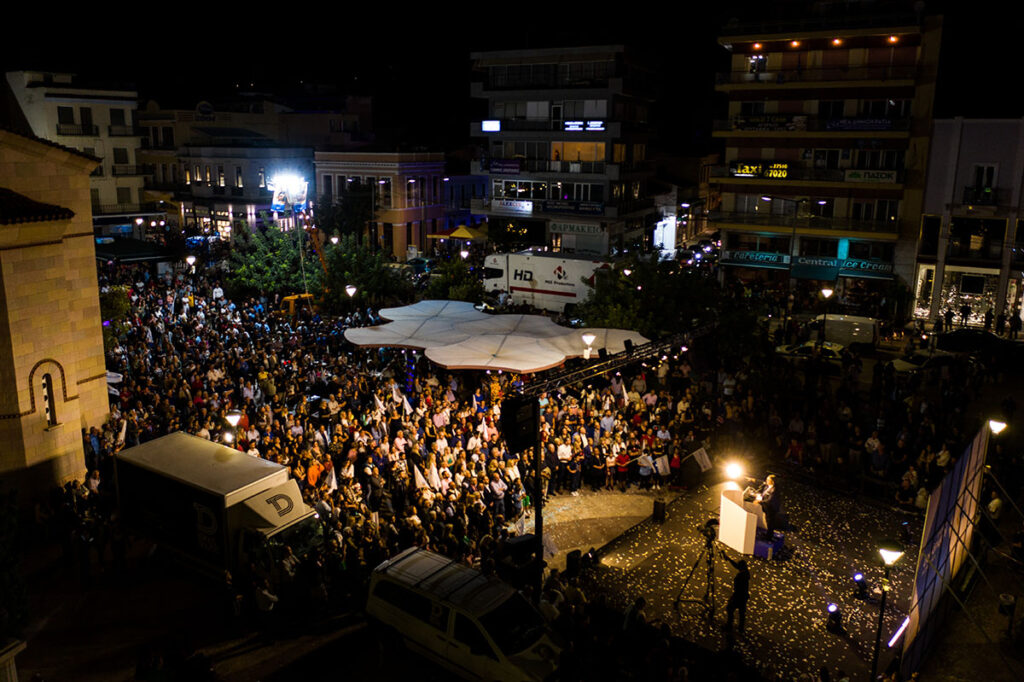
(767, 495)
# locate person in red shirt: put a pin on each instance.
(622, 467)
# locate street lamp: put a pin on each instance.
(191, 260)
(996, 426)
(627, 272)
(588, 338)
(826, 293)
(464, 253)
(334, 239)
(890, 551)
(351, 290)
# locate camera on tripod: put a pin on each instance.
(710, 531)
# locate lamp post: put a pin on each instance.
(232, 418)
(890, 551)
(826, 293)
(191, 260)
(588, 338)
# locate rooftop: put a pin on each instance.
(17, 208)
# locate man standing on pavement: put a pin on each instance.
(740, 591)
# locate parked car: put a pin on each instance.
(925, 361)
(476, 626)
(827, 351)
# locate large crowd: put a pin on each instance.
(393, 452)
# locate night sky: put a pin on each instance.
(417, 66)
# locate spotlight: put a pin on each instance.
(835, 619)
(734, 470)
(862, 586)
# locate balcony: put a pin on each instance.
(771, 171)
(975, 249)
(844, 74)
(128, 208)
(127, 169)
(124, 131)
(77, 130)
(545, 80)
(517, 166)
(776, 123)
(147, 143)
(981, 196)
(791, 222)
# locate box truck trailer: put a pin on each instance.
(549, 281)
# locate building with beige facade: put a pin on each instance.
(407, 189)
(51, 346)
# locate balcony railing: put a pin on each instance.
(808, 222)
(801, 123)
(855, 73)
(78, 130)
(766, 172)
(125, 169)
(967, 249)
(499, 166)
(125, 208)
(147, 143)
(124, 131)
(981, 196)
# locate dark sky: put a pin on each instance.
(417, 66)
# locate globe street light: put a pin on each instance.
(334, 239)
(351, 290)
(890, 551)
(464, 253)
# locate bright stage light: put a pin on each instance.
(734, 470)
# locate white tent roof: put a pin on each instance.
(457, 336)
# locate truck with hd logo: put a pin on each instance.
(545, 280)
(211, 505)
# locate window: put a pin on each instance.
(49, 404)
(220, 176)
(826, 248)
(466, 632)
(639, 152)
(124, 195)
(66, 115)
(831, 108)
(619, 153)
(238, 176)
(209, 175)
(86, 114)
(885, 108)
(261, 175)
(577, 151)
(197, 175)
(751, 108)
(821, 208)
(117, 117)
(523, 149)
(984, 176)
(384, 193)
(168, 133)
(755, 64)
(826, 159)
(882, 251)
(537, 111)
(882, 210)
(94, 196)
(879, 159)
(120, 155)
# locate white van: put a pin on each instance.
(480, 628)
(849, 330)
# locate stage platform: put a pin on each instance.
(830, 538)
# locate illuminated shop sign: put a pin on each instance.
(778, 170)
(490, 126)
(512, 206)
(852, 175)
(582, 126)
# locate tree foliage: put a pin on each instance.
(378, 284)
(662, 299)
(266, 260)
(455, 281)
(347, 213)
(115, 307)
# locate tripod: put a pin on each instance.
(708, 600)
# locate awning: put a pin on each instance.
(127, 250)
(470, 233)
(455, 335)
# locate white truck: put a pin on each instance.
(550, 281)
(214, 506)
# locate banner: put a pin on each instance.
(701, 455)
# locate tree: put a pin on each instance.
(115, 306)
(659, 299)
(268, 260)
(455, 281)
(377, 282)
(348, 213)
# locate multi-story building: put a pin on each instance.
(227, 185)
(826, 146)
(406, 188)
(565, 147)
(212, 161)
(971, 249)
(98, 120)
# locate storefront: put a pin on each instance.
(574, 236)
(961, 285)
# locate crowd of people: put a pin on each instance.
(393, 452)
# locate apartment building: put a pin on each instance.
(565, 148)
(971, 250)
(406, 189)
(825, 151)
(97, 119)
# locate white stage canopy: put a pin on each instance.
(455, 335)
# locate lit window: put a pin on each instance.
(262, 174)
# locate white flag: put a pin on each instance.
(661, 466)
(418, 477)
(395, 395)
(406, 406)
(701, 455)
(333, 485)
(380, 405)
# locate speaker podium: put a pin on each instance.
(738, 521)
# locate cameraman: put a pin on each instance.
(740, 591)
